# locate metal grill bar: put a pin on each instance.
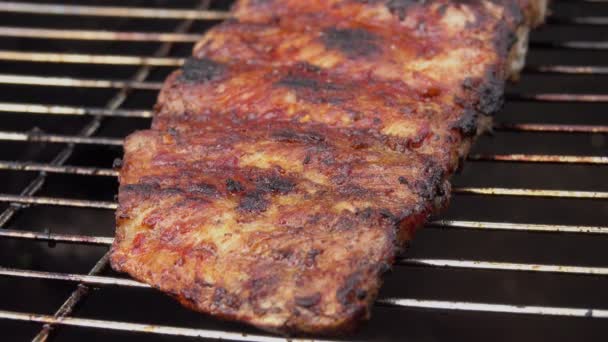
(145, 328)
(578, 45)
(64, 169)
(86, 279)
(46, 109)
(52, 237)
(578, 20)
(75, 82)
(93, 171)
(531, 127)
(222, 335)
(532, 193)
(559, 97)
(480, 225)
(112, 11)
(444, 263)
(568, 69)
(512, 226)
(539, 158)
(55, 138)
(64, 202)
(465, 190)
(46, 33)
(505, 266)
(53, 57)
(495, 308)
(71, 34)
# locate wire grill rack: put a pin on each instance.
(521, 250)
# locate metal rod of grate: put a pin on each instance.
(35, 136)
(112, 11)
(488, 191)
(130, 36)
(518, 158)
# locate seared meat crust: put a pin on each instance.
(301, 146)
(285, 226)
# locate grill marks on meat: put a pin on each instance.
(300, 147)
(292, 245)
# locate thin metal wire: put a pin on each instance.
(495, 308)
(54, 57)
(559, 97)
(531, 193)
(56, 138)
(568, 69)
(539, 158)
(504, 266)
(578, 20)
(145, 328)
(76, 82)
(94, 171)
(80, 278)
(463, 190)
(513, 226)
(577, 45)
(47, 109)
(47, 33)
(112, 11)
(58, 201)
(533, 127)
(63, 169)
(53, 237)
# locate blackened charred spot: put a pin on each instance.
(308, 301)
(352, 42)
(234, 186)
(145, 189)
(347, 293)
(306, 137)
(344, 223)
(365, 213)
(253, 201)
(274, 184)
(311, 89)
(487, 92)
(432, 184)
(205, 189)
(222, 298)
(402, 180)
(202, 70)
(311, 257)
(467, 124)
(386, 215)
(301, 81)
(400, 7)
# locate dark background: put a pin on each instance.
(387, 323)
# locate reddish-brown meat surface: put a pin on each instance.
(301, 146)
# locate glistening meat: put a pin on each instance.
(301, 146)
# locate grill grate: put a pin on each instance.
(103, 127)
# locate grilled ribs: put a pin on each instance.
(301, 146)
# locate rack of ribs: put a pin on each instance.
(300, 147)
